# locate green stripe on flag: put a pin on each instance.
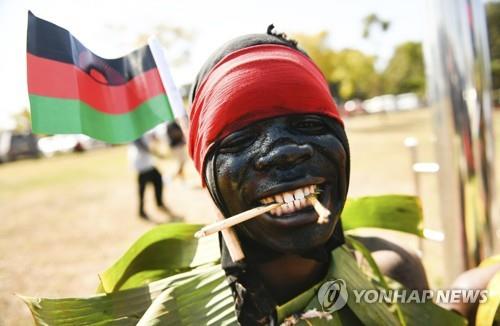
(51, 115)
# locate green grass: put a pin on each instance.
(61, 171)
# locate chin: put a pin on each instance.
(306, 241)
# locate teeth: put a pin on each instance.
(289, 207)
(298, 194)
(292, 200)
(303, 202)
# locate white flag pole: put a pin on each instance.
(173, 94)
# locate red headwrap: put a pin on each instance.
(252, 84)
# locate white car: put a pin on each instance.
(57, 144)
(408, 101)
(382, 103)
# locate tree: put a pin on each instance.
(355, 74)
(493, 19)
(405, 71)
(373, 19)
(317, 48)
(351, 73)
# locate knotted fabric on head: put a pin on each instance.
(251, 84)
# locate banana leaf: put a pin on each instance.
(390, 212)
(169, 277)
(204, 300)
(376, 271)
(377, 313)
(345, 268)
(164, 258)
(124, 307)
(410, 314)
(163, 251)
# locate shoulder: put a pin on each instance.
(397, 262)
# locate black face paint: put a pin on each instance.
(276, 156)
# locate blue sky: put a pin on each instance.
(110, 28)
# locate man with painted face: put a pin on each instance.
(264, 128)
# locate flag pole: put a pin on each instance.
(180, 115)
(173, 94)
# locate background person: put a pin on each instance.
(141, 158)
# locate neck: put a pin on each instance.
(289, 275)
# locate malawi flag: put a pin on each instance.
(72, 90)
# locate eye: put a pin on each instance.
(310, 125)
(236, 142)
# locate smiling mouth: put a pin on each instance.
(293, 200)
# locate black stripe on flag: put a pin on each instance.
(50, 41)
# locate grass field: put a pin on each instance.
(66, 218)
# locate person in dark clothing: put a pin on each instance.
(154, 177)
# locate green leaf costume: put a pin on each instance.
(168, 277)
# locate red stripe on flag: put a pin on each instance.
(62, 80)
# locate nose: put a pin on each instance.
(284, 156)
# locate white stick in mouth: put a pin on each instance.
(236, 219)
(323, 214)
(322, 211)
(231, 239)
